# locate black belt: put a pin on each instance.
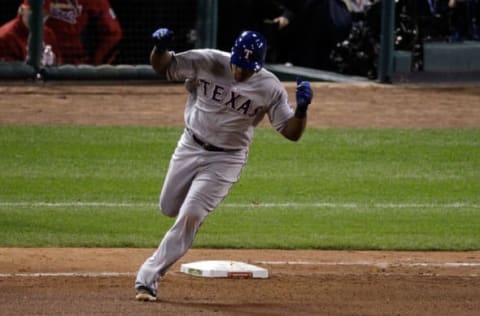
(210, 147)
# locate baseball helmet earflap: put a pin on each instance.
(249, 51)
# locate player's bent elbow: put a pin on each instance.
(294, 128)
(294, 136)
(160, 62)
(293, 133)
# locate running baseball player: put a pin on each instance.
(229, 94)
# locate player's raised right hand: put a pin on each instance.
(162, 39)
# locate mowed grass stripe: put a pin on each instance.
(335, 189)
(46, 205)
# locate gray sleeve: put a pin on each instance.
(184, 65)
(280, 111)
(189, 64)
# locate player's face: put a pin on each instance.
(241, 74)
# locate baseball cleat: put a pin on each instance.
(145, 295)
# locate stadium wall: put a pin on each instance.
(196, 22)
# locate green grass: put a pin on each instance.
(335, 189)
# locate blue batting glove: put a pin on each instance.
(162, 39)
(304, 95)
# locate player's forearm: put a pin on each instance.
(296, 124)
(295, 128)
(160, 61)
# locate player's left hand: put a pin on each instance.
(304, 95)
(162, 39)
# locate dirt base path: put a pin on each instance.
(366, 105)
(100, 281)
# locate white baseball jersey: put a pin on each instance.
(220, 110)
(223, 113)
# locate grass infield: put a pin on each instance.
(335, 189)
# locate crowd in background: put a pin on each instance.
(344, 35)
(75, 32)
(299, 32)
(339, 35)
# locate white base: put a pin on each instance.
(224, 269)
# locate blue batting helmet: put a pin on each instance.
(249, 51)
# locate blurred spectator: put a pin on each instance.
(87, 31)
(139, 22)
(359, 6)
(302, 32)
(464, 21)
(269, 17)
(14, 37)
(321, 24)
(278, 25)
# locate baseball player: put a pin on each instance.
(229, 94)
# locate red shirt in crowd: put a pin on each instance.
(14, 41)
(70, 20)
